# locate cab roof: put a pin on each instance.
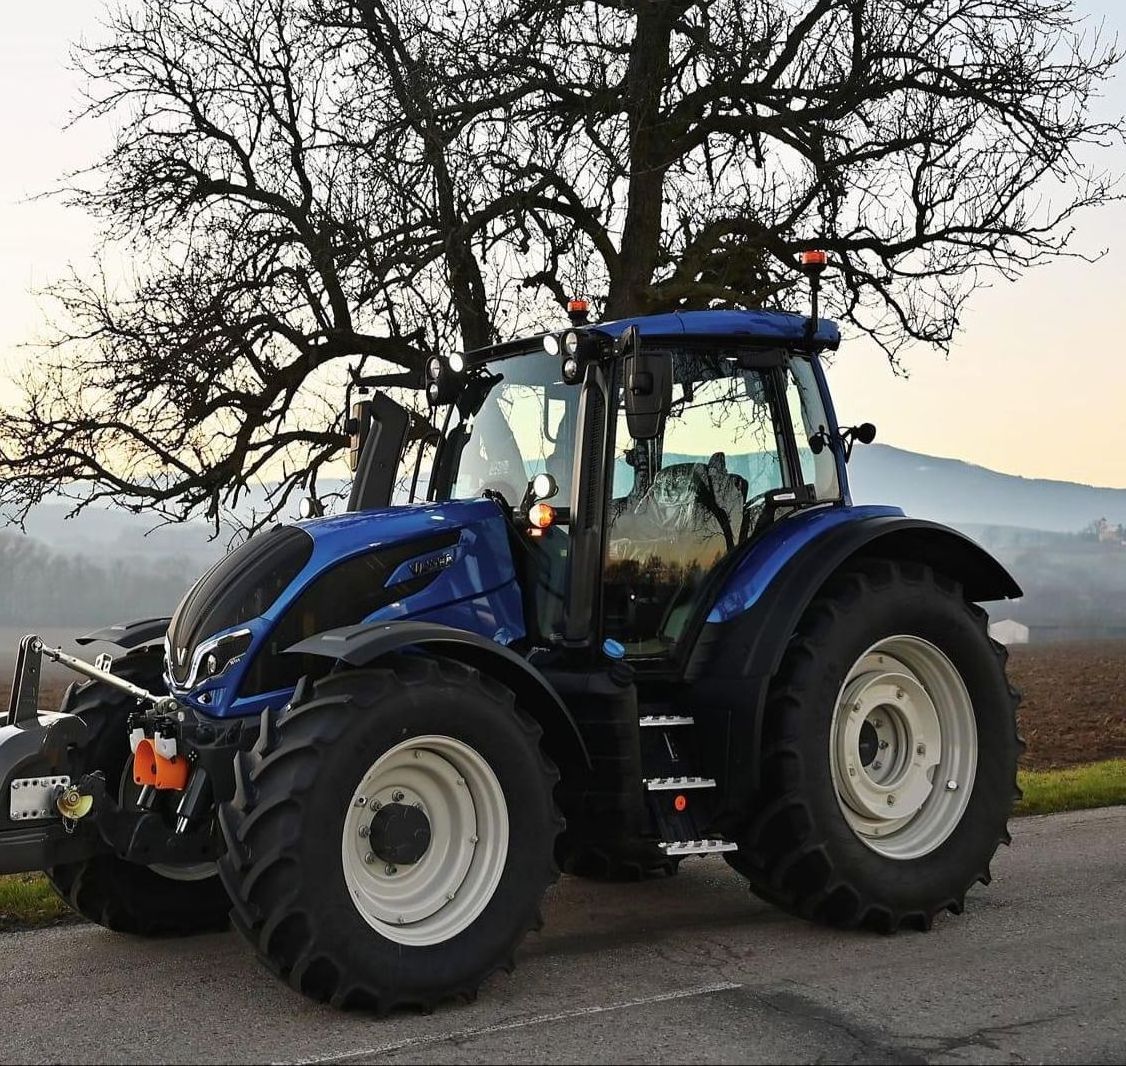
(756, 327)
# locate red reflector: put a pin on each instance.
(578, 305)
(680, 802)
(813, 258)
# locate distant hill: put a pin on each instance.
(109, 563)
(960, 494)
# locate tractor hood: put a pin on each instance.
(444, 562)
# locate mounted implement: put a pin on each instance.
(606, 607)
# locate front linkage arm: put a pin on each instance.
(24, 706)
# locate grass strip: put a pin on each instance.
(1073, 788)
(27, 900)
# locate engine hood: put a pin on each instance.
(447, 562)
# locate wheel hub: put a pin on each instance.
(888, 743)
(903, 728)
(399, 833)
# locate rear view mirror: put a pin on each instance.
(357, 426)
(648, 385)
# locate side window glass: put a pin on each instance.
(807, 413)
(680, 505)
(414, 471)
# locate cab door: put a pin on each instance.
(682, 504)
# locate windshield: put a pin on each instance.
(525, 426)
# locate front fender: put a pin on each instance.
(130, 635)
(364, 644)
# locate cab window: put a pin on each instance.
(684, 502)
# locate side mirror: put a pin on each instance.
(864, 433)
(357, 426)
(648, 385)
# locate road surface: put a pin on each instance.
(685, 969)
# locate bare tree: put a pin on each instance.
(301, 182)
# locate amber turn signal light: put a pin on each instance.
(541, 516)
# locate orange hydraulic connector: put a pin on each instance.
(151, 768)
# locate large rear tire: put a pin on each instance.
(889, 755)
(120, 895)
(391, 836)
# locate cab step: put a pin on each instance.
(696, 847)
(657, 784)
(662, 721)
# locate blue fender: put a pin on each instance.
(366, 643)
(757, 610)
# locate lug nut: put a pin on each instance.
(921, 749)
(397, 795)
(361, 801)
(951, 786)
(891, 799)
(390, 869)
(877, 765)
(883, 744)
(364, 830)
(369, 858)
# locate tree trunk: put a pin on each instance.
(648, 160)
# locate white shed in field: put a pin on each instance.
(1009, 632)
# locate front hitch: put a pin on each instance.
(54, 812)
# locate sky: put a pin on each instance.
(1035, 385)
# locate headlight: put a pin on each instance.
(457, 362)
(433, 367)
(551, 344)
(571, 342)
(226, 650)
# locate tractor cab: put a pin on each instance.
(668, 443)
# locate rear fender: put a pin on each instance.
(739, 651)
(365, 644)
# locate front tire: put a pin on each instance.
(889, 755)
(392, 835)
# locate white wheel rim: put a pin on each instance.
(903, 747)
(442, 892)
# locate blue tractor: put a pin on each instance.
(607, 606)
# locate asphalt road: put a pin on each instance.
(684, 970)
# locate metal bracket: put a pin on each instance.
(34, 797)
(24, 703)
